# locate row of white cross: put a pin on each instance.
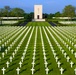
(44, 53)
(34, 53)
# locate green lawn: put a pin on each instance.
(18, 38)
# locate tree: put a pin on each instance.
(7, 10)
(1, 14)
(57, 14)
(29, 16)
(50, 16)
(69, 11)
(17, 12)
(45, 15)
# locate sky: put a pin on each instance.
(49, 6)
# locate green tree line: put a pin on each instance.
(7, 11)
(11, 12)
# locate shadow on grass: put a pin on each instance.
(48, 59)
(61, 64)
(12, 64)
(64, 70)
(37, 59)
(3, 49)
(24, 64)
(50, 70)
(47, 55)
(2, 63)
(23, 70)
(49, 64)
(26, 59)
(9, 70)
(27, 55)
(5, 58)
(37, 64)
(37, 70)
(37, 55)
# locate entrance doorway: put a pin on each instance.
(37, 16)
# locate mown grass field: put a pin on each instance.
(23, 39)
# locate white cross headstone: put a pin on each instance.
(58, 64)
(43, 50)
(75, 54)
(13, 54)
(33, 58)
(44, 53)
(0, 41)
(22, 58)
(0, 48)
(69, 48)
(33, 63)
(45, 58)
(75, 71)
(34, 47)
(71, 63)
(53, 51)
(6, 51)
(2, 45)
(75, 46)
(25, 50)
(20, 63)
(60, 48)
(8, 48)
(62, 51)
(10, 58)
(0, 58)
(54, 55)
(32, 70)
(26, 47)
(68, 58)
(3, 69)
(15, 51)
(34, 50)
(56, 58)
(7, 64)
(65, 54)
(72, 51)
(67, 45)
(3, 54)
(46, 64)
(18, 70)
(61, 70)
(24, 53)
(47, 70)
(34, 53)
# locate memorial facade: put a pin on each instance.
(38, 13)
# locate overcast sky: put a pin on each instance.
(49, 6)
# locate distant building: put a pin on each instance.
(38, 13)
